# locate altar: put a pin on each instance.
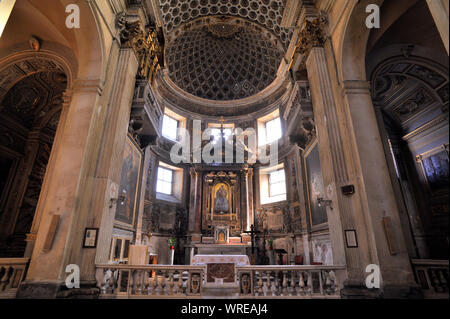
(221, 269)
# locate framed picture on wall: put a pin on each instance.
(318, 214)
(129, 184)
(435, 169)
(90, 238)
(350, 238)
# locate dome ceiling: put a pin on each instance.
(223, 61)
(267, 13)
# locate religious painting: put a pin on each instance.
(222, 199)
(318, 215)
(131, 170)
(436, 171)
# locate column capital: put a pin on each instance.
(193, 171)
(312, 35)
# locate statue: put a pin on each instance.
(221, 202)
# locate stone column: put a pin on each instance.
(110, 156)
(351, 153)
(440, 12)
(89, 161)
(245, 200)
(140, 213)
(377, 194)
(250, 213)
(195, 205)
(46, 273)
(31, 236)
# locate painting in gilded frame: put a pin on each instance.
(129, 184)
(318, 215)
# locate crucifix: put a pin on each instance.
(252, 233)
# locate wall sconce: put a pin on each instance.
(120, 199)
(324, 202)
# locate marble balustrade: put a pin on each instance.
(12, 273)
(165, 281)
(299, 282)
(153, 281)
(432, 277)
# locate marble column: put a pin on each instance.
(440, 12)
(351, 153)
(195, 205)
(334, 170)
(31, 236)
(110, 156)
(140, 213)
(250, 212)
(245, 200)
(87, 164)
(46, 272)
(377, 194)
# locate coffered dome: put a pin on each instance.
(223, 61)
(267, 13)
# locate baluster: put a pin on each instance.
(180, 283)
(155, 282)
(4, 280)
(256, 284)
(327, 283)
(164, 283)
(265, 287)
(259, 284)
(442, 280)
(434, 280)
(309, 283)
(301, 284)
(333, 286)
(171, 283)
(321, 283)
(292, 286)
(159, 279)
(269, 283)
(114, 281)
(273, 287)
(139, 278)
(146, 287)
(150, 283)
(108, 281)
(277, 283)
(285, 283)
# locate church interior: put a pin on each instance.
(224, 149)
